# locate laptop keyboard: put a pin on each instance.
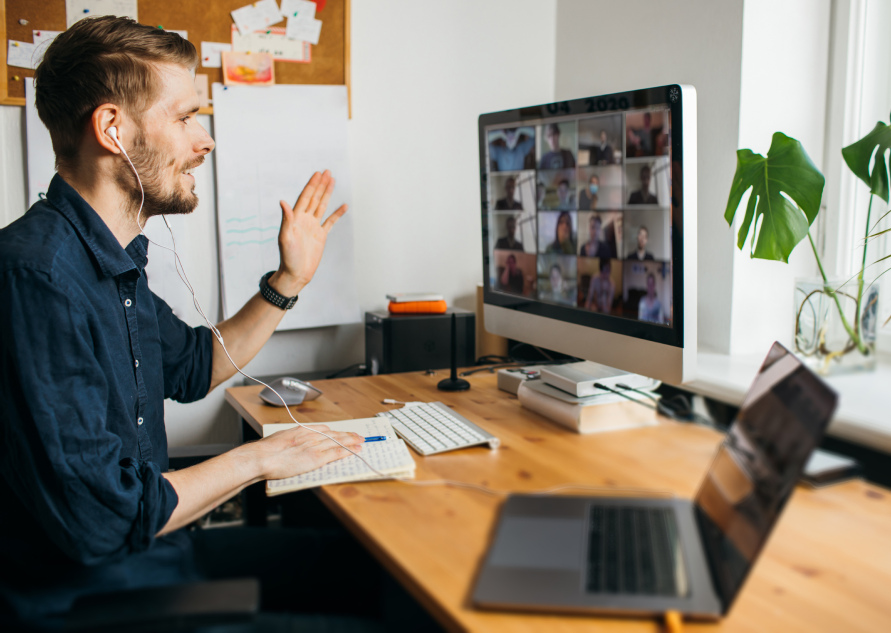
(632, 550)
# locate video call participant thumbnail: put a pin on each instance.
(597, 246)
(557, 279)
(647, 291)
(512, 149)
(559, 156)
(602, 292)
(509, 242)
(645, 134)
(509, 202)
(514, 272)
(641, 253)
(599, 137)
(650, 307)
(511, 278)
(559, 192)
(557, 232)
(588, 196)
(643, 195)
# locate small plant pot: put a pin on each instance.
(833, 335)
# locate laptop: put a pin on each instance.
(646, 556)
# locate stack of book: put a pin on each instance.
(417, 303)
(566, 394)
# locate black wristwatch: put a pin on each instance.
(279, 301)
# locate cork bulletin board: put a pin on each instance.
(205, 21)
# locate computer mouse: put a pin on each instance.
(293, 392)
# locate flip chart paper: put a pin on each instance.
(268, 144)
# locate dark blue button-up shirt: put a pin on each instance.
(87, 356)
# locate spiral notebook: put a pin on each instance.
(390, 456)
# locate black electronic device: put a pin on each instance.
(397, 343)
(453, 383)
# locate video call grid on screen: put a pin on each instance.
(580, 212)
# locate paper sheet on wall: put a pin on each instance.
(160, 271)
(79, 9)
(269, 143)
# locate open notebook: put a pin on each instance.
(390, 457)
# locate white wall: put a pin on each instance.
(785, 57)
(606, 46)
(422, 74)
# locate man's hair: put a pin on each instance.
(553, 129)
(646, 169)
(510, 179)
(102, 60)
(644, 229)
(563, 181)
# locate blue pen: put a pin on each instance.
(376, 438)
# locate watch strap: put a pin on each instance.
(276, 299)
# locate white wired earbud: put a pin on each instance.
(181, 271)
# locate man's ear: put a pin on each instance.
(105, 116)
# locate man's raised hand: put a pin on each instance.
(302, 237)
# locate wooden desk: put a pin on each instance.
(827, 567)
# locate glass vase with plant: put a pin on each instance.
(835, 319)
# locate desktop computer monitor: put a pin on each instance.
(589, 228)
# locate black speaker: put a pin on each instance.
(397, 343)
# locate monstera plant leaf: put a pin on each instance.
(858, 156)
(786, 192)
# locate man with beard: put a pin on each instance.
(88, 353)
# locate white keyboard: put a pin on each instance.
(432, 428)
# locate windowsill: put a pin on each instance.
(862, 416)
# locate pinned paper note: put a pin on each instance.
(42, 38)
(210, 53)
(20, 54)
(307, 30)
(274, 42)
(248, 69)
(299, 9)
(79, 9)
(182, 34)
(203, 90)
(256, 16)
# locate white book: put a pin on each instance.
(408, 297)
(578, 379)
(390, 457)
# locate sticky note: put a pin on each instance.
(256, 16)
(303, 29)
(210, 53)
(20, 54)
(299, 9)
(79, 9)
(43, 37)
(272, 40)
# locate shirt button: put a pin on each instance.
(139, 421)
(137, 363)
(128, 303)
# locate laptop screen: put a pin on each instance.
(782, 420)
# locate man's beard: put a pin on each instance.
(149, 164)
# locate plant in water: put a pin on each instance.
(786, 189)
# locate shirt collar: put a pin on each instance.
(113, 260)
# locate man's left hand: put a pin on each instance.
(302, 237)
